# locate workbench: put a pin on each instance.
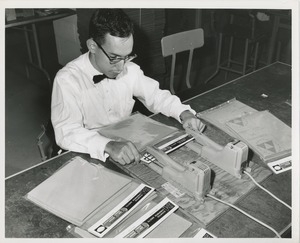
(266, 89)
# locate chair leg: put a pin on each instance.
(188, 72)
(218, 59)
(255, 56)
(278, 51)
(245, 57)
(40, 143)
(229, 56)
(172, 89)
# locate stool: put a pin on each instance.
(241, 27)
(283, 39)
(280, 36)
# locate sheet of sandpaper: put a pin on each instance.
(139, 129)
(77, 189)
(264, 133)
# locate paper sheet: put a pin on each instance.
(77, 189)
(139, 129)
(219, 115)
(264, 133)
(173, 227)
(268, 136)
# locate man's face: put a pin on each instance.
(113, 47)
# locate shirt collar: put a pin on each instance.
(90, 70)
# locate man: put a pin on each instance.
(81, 103)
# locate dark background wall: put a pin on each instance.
(151, 25)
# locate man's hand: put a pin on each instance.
(190, 120)
(123, 152)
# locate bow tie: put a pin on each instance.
(99, 78)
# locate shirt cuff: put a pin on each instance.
(184, 108)
(97, 147)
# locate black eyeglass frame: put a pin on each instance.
(116, 59)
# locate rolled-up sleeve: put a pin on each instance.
(67, 120)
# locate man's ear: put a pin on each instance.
(91, 45)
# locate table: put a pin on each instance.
(28, 25)
(23, 219)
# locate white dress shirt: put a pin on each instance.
(79, 106)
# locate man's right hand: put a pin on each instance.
(123, 152)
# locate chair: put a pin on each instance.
(43, 145)
(46, 142)
(242, 27)
(179, 42)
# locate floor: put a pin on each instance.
(27, 105)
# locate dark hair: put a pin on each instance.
(109, 21)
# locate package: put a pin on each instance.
(171, 227)
(83, 193)
(227, 111)
(139, 129)
(79, 189)
(264, 133)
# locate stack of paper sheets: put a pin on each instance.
(75, 191)
(83, 193)
(264, 133)
(269, 137)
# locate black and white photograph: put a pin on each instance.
(115, 110)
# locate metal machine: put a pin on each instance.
(195, 176)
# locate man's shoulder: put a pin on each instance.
(73, 67)
(132, 66)
(77, 63)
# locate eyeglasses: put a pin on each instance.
(115, 60)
